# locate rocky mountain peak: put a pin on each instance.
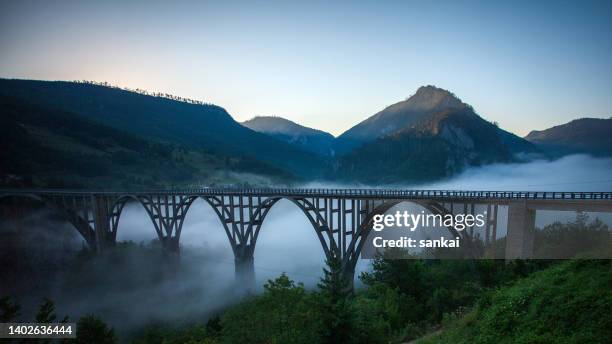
(432, 98)
(421, 106)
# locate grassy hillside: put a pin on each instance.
(570, 302)
(55, 148)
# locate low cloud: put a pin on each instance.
(287, 243)
(570, 173)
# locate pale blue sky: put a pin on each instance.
(525, 64)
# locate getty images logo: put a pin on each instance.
(411, 221)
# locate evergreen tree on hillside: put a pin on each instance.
(335, 297)
(46, 312)
(92, 330)
(9, 310)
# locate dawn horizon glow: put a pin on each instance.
(328, 66)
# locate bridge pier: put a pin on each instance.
(101, 222)
(244, 269)
(521, 231)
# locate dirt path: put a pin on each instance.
(431, 334)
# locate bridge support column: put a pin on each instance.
(244, 269)
(521, 230)
(102, 229)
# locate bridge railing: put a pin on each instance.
(352, 193)
(400, 193)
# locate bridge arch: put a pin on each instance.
(146, 202)
(364, 228)
(314, 217)
(252, 230)
(81, 225)
(358, 241)
(215, 203)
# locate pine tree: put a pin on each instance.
(9, 310)
(582, 218)
(335, 296)
(92, 330)
(46, 312)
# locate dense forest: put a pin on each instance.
(85, 153)
(106, 129)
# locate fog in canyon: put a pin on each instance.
(145, 287)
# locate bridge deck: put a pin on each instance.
(339, 193)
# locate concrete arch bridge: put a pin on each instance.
(340, 218)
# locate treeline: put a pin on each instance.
(143, 92)
(402, 300)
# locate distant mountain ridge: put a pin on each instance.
(584, 135)
(196, 126)
(316, 141)
(431, 135)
